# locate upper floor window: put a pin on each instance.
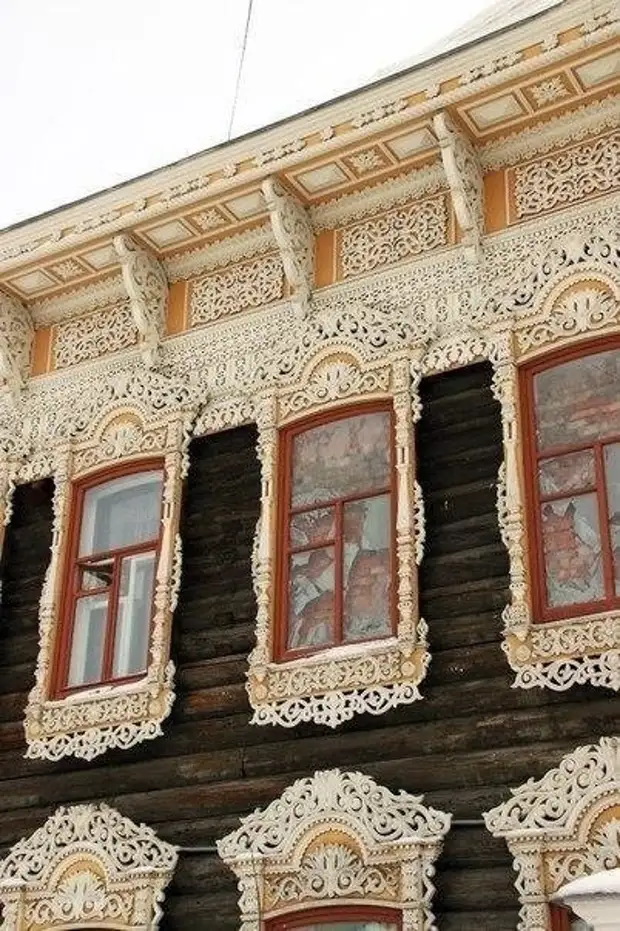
(110, 579)
(337, 531)
(333, 918)
(573, 446)
(562, 919)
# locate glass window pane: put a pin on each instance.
(122, 512)
(366, 570)
(97, 575)
(573, 472)
(311, 598)
(312, 527)
(349, 926)
(340, 458)
(578, 401)
(572, 548)
(134, 615)
(88, 640)
(612, 477)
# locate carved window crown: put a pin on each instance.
(87, 866)
(332, 839)
(562, 826)
(335, 558)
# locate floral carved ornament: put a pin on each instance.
(333, 838)
(87, 866)
(88, 722)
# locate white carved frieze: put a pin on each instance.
(293, 232)
(333, 838)
(16, 334)
(147, 289)
(464, 175)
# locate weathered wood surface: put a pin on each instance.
(463, 746)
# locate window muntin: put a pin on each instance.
(573, 448)
(339, 918)
(111, 580)
(337, 561)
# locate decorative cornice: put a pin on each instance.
(147, 289)
(294, 235)
(103, 293)
(221, 252)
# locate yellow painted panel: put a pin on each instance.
(176, 321)
(41, 351)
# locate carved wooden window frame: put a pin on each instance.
(286, 438)
(333, 913)
(562, 826)
(89, 721)
(336, 839)
(87, 867)
(330, 686)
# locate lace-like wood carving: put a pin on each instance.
(334, 838)
(87, 867)
(562, 826)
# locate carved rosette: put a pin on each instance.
(88, 866)
(332, 686)
(334, 838)
(562, 826)
(92, 721)
(16, 334)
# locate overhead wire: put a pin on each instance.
(240, 69)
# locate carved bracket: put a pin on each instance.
(16, 333)
(464, 176)
(293, 232)
(147, 288)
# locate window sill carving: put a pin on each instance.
(562, 826)
(333, 838)
(91, 721)
(336, 684)
(87, 865)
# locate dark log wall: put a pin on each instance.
(471, 737)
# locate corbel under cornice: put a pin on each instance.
(294, 235)
(464, 176)
(16, 333)
(147, 289)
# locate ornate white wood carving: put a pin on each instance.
(292, 229)
(147, 289)
(334, 838)
(334, 684)
(91, 721)
(238, 288)
(562, 826)
(84, 338)
(464, 175)
(87, 867)
(16, 335)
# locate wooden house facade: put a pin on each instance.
(310, 607)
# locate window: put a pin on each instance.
(110, 579)
(337, 531)
(562, 919)
(573, 450)
(354, 918)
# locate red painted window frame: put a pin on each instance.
(541, 611)
(71, 570)
(285, 475)
(293, 920)
(560, 918)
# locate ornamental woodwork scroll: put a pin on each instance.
(562, 826)
(87, 866)
(332, 838)
(147, 289)
(464, 176)
(293, 232)
(16, 333)
(332, 685)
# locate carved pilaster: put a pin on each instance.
(16, 332)
(293, 232)
(147, 289)
(464, 176)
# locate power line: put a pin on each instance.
(239, 72)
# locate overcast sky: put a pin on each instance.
(94, 92)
